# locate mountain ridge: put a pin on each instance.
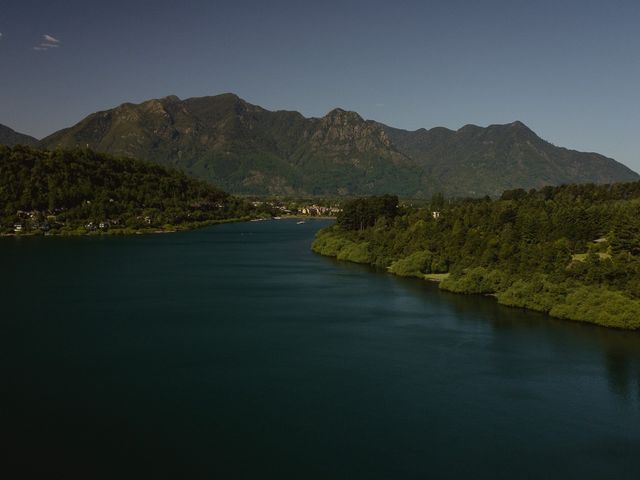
(10, 137)
(247, 149)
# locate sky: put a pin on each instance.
(568, 69)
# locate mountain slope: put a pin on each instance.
(247, 149)
(10, 137)
(501, 157)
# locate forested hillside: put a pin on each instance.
(570, 251)
(80, 191)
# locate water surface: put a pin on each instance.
(234, 352)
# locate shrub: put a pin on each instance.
(415, 265)
(477, 280)
(601, 306)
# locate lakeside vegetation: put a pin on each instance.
(78, 192)
(571, 251)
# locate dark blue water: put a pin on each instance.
(234, 352)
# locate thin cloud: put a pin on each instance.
(48, 42)
(50, 39)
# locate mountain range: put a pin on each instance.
(246, 149)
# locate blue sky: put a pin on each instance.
(568, 69)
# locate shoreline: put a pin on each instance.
(126, 232)
(303, 217)
(156, 230)
(437, 279)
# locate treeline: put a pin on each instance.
(571, 251)
(362, 213)
(71, 191)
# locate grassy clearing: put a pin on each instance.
(581, 257)
(436, 277)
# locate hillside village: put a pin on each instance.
(281, 208)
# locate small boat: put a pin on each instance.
(277, 218)
(300, 222)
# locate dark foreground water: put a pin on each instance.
(234, 352)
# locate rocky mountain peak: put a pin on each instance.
(347, 128)
(171, 99)
(338, 116)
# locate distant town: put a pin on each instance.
(292, 208)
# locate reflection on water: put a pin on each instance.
(234, 352)
(619, 370)
(620, 350)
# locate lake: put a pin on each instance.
(235, 352)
